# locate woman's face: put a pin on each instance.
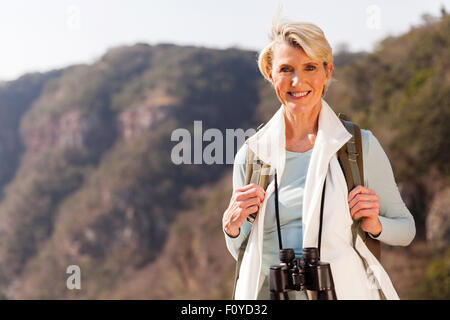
(298, 80)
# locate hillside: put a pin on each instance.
(86, 175)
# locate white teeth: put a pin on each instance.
(299, 94)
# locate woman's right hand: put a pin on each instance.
(244, 201)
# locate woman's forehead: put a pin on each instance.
(286, 54)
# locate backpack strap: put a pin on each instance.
(259, 173)
(256, 172)
(350, 157)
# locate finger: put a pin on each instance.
(249, 193)
(354, 192)
(249, 202)
(369, 213)
(250, 210)
(246, 187)
(261, 194)
(358, 190)
(364, 205)
(363, 197)
(254, 191)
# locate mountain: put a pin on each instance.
(87, 176)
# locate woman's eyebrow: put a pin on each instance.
(287, 64)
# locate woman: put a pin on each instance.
(300, 142)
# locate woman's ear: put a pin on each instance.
(329, 69)
(269, 73)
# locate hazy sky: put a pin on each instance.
(46, 34)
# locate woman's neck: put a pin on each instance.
(301, 129)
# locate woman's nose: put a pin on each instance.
(295, 80)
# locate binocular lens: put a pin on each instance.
(310, 255)
(286, 255)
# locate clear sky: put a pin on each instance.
(46, 34)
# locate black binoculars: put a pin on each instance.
(307, 273)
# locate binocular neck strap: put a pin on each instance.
(321, 216)
(277, 212)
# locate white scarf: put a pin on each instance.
(351, 280)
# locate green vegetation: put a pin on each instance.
(16, 98)
(436, 283)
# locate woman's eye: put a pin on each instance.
(284, 69)
(310, 68)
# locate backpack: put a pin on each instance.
(350, 158)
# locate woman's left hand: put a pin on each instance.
(364, 204)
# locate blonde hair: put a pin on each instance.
(303, 35)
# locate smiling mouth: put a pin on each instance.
(299, 95)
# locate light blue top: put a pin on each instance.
(290, 204)
(398, 226)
